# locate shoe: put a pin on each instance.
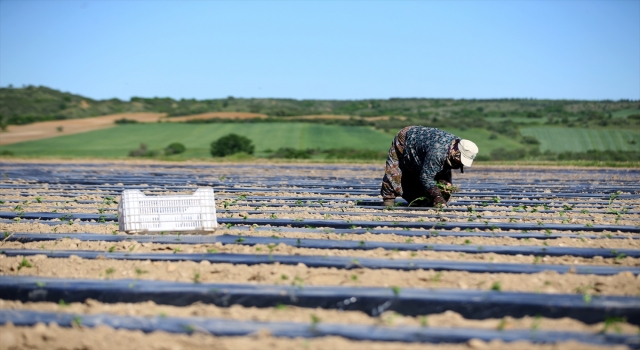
(389, 202)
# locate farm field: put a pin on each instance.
(560, 139)
(116, 142)
(307, 256)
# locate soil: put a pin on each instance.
(257, 176)
(624, 283)
(216, 115)
(52, 336)
(288, 313)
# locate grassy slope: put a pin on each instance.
(119, 140)
(559, 139)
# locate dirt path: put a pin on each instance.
(48, 129)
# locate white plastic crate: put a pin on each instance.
(138, 212)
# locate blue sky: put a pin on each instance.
(324, 49)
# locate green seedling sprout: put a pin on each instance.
(502, 324)
(196, 277)
(396, 290)
(110, 271)
(24, 263)
(437, 277)
(354, 278)
(496, 286)
(140, 271)
(416, 200)
(613, 322)
(111, 249)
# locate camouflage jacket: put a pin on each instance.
(426, 151)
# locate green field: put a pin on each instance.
(625, 113)
(559, 139)
(116, 142)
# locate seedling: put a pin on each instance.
(273, 216)
(437, 277)
(77, 321)
(212, 251)
(315, 320)
(62, 303)
(496, 199)
(140, 271)
(240, 240)
(466, 241)
(297, 282)
(567, 207)
(613, 322)
(112, 248)
(408, 240)
(176, 250)
(196, 277)
(24, 263)
(588, 224)
(281, 306)
(396, 290)
(354, 278)
(496, 286)
(424, 322)
(536, 260)
(584, 211)
(109, 271)
(40, 284)
(361, 244)
(419, 199)
(502, 324)
(536, 323)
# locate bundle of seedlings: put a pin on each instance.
(447, 189)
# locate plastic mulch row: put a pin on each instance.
(227, 327)
(472, 304)
(332, 262)
(343, 244)
(343, 224)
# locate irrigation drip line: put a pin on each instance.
(338, 244)
(229, 327)
(345, 224)
(370, 192)
(471, 216)
(331, 262)
(472, 304)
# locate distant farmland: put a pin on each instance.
(116, 142)
(559, 139)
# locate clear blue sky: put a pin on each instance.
(324, 49)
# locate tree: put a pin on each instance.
(175, 148)
(231, 144)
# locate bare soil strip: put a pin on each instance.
(281, 249)
(624, 283)
(52, 336)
